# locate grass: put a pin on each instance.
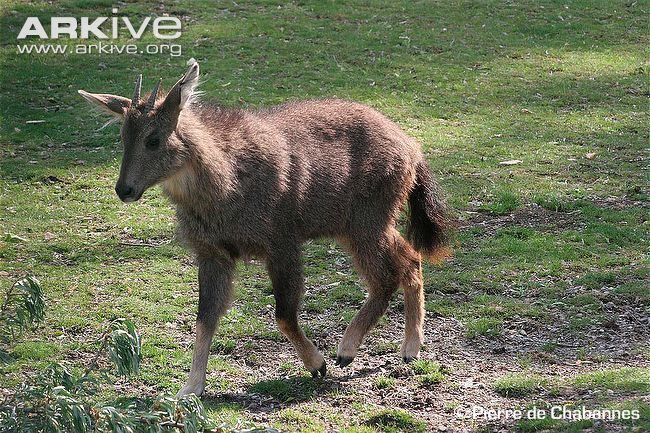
(485, 326)
(431, 379)
(504, 202)
(425, 366)
(630, 379)
(551, 248)
(396, 421)
(384, 382)
(623, 379)
(286, 390)
(430, 373)
(556, 425)
(553, 202)
(224, 346)
(518, 385)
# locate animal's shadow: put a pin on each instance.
(270, 395)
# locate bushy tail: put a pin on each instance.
(432, 224)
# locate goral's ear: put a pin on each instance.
(183, 91)
(111, 104)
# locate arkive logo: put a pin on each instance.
(164, 27)
(98, 35)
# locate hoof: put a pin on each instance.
(183, 392)
(408, 359)
(322, 371)
(343, 361)
(187, 390)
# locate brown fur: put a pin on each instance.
(260, 183)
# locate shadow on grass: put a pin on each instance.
(286, 390)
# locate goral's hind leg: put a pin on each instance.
(375, 261)
(387, 263)
(285, 270)
(411, 281)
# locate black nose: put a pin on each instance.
(124, 191)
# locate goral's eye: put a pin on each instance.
(153, 142)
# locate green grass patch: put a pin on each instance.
(300, 421)
(518, 385)
(425, 366)
(396, 421)
(635, 290)
(227, 413)
(223, 346)
(34, 350)
(430, 372)
(431, 379)
(286, 390)
(553, 203)
(504, 202)
(622, 379)
(597, 280)
(384, 382)
(536, 425)
(484, 326)
(551, 425)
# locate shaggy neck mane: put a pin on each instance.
(207, 173)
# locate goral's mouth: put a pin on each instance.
(131, 197)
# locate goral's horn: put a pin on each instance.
(152, 99)
(136, 92)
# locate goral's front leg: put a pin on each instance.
(215, 294)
